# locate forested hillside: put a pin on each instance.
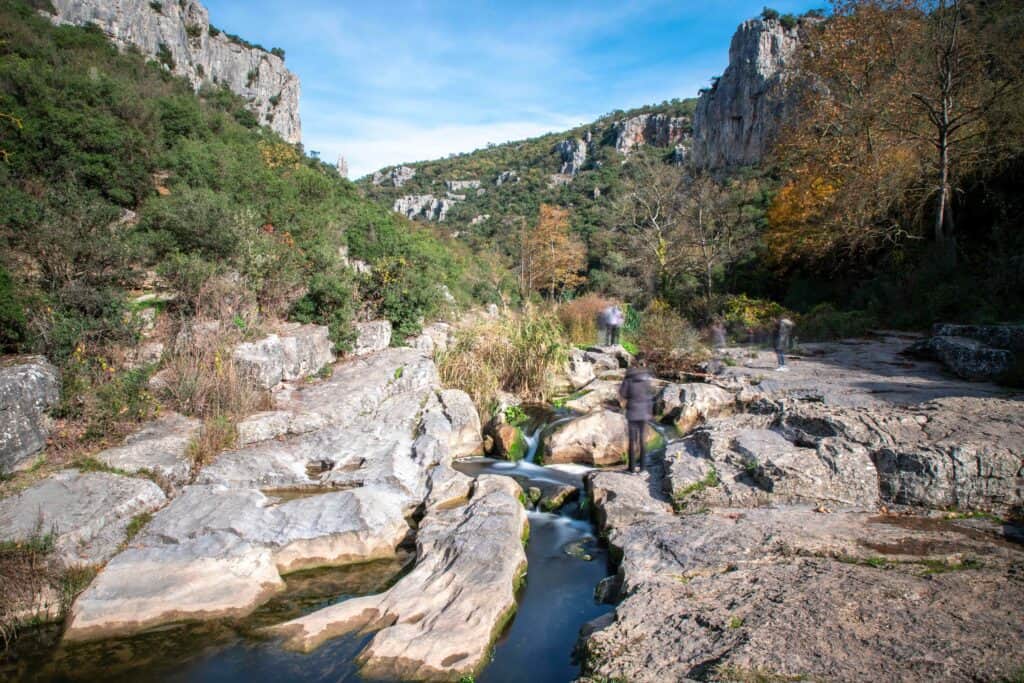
(124, 194)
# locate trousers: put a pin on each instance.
(637, 443)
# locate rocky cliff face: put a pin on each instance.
(178, 34)
(736, 120)
(658, 130)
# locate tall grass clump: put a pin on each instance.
(520, 354)
(579, 318)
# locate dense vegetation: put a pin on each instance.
(117, 180)
(838, 224)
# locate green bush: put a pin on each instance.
(825, 322)
(13, 323)
(329, 301)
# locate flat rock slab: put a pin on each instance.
(787, 593)
(622, 498)
(160, 447)
(596, 396)
(687, 405)
(298, 351)
(440, 620)
(88, 513)
(29, 386)
(216, 552)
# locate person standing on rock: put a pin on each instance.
(614, 319)
(636, 392)
(780, 339)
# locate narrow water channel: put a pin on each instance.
(565, 563)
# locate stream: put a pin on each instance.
(565, 563)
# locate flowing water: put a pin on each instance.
(565, 564)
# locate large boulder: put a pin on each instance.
(687, 405)
(160, 447)
(464, 423)
(372, 337)
(440, 620)
(87, 514)
(297, 352)
(967, 358)
(29, 386)
(218, 552)
(597, 395)
(599, 438)
(579, 370)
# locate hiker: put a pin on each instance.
(780, 339)
(636, 392)
(612, 319)
(717, 334)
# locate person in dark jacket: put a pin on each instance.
(637, 393)
(780, 339)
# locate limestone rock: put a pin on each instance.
(506, 177)
(371, 337)
(213, 534)
(621, 498)
(181, 30)
(623, 357)
(598, 438)
(435, 338)
(440, 620)
(579, 371)
(508, 442)
(297, 352)
(425, 206)
(656, 130)
(966, 357)
(763, 591)
(687, 405)
(88, 513)
(599, 394)
(160, 447)
(736, 121)
(573, 153)
(396, 177)
(29, 386)
(465, 439)
(263, 426)
(448, 488)
(1009, 337)
(461, 185)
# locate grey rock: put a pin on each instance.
(655, 130)
(599, 394)
(506, 177)
(448, 488)
(440, 620)
(435, 338)
(687, 405)
(425, 206)
(461, 185)
(372, 337)
(29, 386)
(620, 499)
(1009, 337)
(966, 357)
(160, 447)
(264, 426)
(183, 30)
(578, 370)
(736, 121)
(553, 495)
(599, 438)
(297, 352)
(617, 351)
(573, 153)
(396, 177)
(87, 513)
(465, 434)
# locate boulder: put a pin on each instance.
(687, 405)
(263, 426)
(297, 352)
(599, 438)
(599, 355)
(160, 447)
(435, 338)
(29, 386)
(508, 442)
(372, 337)
(1009, 337)
(598, 394)
(465, 435)
(552, 495)
(440, 620)
(621, 498)
(967, 358)
(217, 552)
(87, 513)
(578, 369)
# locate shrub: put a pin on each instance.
(668, 342)
(752, 319)
(579, 318)
(278, 52)
(825, 322)
(788, 21)
(329, 301)
(769, 14)
(13, 323)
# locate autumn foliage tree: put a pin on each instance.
(900, 101)
(551, 257)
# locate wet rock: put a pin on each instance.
(554, 495)
(508, 442)
(372, 337)
(29, 386)
(440, 620)
(687, 405)
(218, 552)
(297, 352)
(160, 447)
(87, 513)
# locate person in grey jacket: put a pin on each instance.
(780, 340)
(637, 392)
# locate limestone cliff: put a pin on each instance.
(657, 130)
(736, 120)
(178, 34)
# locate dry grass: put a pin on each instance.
(579, 318)
(669, 343)
(27, 572)
(520, 354)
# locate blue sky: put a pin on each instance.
(386, 82)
